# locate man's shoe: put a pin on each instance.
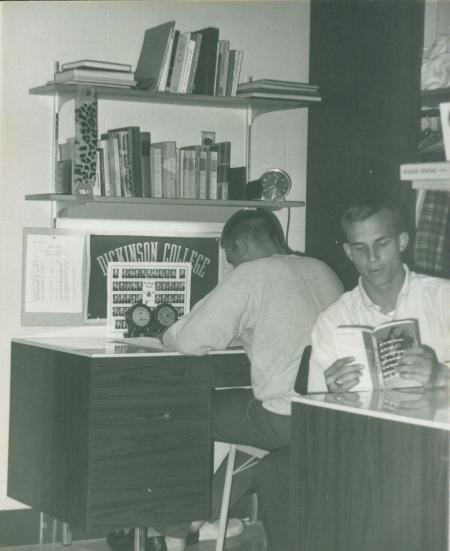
(210, 530)
(155, 543)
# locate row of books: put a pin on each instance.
(194, 62)
(130, 165)
(88, 71)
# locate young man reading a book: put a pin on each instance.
(270, 302)
(375, 238)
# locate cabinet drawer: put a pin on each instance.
(150, 449)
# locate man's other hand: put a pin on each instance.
(343, 374)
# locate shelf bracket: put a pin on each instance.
(252, 113)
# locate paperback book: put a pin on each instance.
(379, 350)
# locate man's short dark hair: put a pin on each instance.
(366, 205)
(256, 224)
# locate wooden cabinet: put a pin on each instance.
(109, 442)
(369, 481)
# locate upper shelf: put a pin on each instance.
(132, 94)
(141, 208)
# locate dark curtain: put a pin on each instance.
(366, 57)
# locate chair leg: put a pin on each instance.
(226, 498)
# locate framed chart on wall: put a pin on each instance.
(202, 253)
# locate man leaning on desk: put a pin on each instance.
(270, 302)
(374, 240)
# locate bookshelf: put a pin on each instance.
(252, 107)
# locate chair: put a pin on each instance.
(256, 454)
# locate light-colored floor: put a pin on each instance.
(252, 539)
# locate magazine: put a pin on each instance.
(379, 350)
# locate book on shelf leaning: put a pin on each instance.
(206, 68)
(152, 68)
(379, 351)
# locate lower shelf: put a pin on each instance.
(144, 208)
(76, 199)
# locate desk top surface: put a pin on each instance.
(430, 408)
(109, 347)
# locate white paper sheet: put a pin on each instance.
(54, 276)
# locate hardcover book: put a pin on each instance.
(197, 39)
(145, 139)
(379, 350)
(222, 67)
(95, 76)
(155, 56)
(156, 172)
(187, 67)
(176, 36)
(206, 68)
(168, 167)
(223, 150)
(195, 178)
(130, 159)
(211, 175)
(180, 57)
(274, 85)
(96, 64)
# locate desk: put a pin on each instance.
(371, 475)
(106, 435)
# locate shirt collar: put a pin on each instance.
(403, 292)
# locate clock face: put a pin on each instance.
(276, 184)
(166, 315)
(141, 316)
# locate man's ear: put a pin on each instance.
(348, 251)
(241, 244)
(403, 240)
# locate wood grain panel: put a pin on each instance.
(150, 444)
(48, 456)
(367, 484)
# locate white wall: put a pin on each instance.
(275, 38)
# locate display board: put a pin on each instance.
(201, 252)
(148, 283)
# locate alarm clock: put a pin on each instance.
(142, 321)
(272, 185)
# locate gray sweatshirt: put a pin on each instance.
(271, 305)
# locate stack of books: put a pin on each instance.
(278, 89)
(430, 176)
(194, 62)
(89, 71)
